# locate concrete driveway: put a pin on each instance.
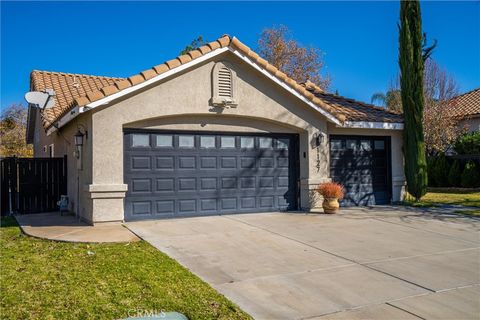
(381, 263)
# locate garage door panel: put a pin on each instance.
(247, 203)
(208, 204)
(187, 162)
(141, 207)
(187, 184)
(141, 185)
(266, 182)
(165, 207)
(229, 183)
(208, 184)
(165, 162)
(228, 162)
(362, 165)
(228, 203)
(178, 174)
(165, 185)
(141, 163)
(247, 162)
(247, 183)
(187, 206)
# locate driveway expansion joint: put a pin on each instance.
(334, 254)
(404, 310)
(425, 230)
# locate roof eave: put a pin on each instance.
(373, 125)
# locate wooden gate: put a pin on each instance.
(32, 185)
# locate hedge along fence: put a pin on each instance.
(454, 171)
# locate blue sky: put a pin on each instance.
(359, 39)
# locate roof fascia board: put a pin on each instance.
(64, 120)
(373, 125)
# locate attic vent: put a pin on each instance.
(225, 83)
(223, 86)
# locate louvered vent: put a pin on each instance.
(223, 86)
(225, 83)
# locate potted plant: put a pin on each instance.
(331, 192)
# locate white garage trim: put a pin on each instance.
(372, 125)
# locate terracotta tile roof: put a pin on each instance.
(466, 105)
(67, 87)
(99, 87)
(354, 110)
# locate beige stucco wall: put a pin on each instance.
(471, 124)
(183, 103)
(79, 172)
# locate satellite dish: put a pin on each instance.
(42, 100)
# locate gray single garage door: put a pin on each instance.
(174, 174)
(362, 164)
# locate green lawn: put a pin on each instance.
(41, 279)
(469, 212)
(452, 197)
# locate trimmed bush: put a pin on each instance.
(470, 176)
(440, 171)
(455, 174)
(468, 143)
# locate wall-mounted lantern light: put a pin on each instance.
(319, 139)
(78, 139)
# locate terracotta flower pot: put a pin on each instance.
(330, 205)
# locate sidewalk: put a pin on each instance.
(68, 228)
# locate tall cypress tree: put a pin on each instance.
(411, 61)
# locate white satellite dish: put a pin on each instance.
(42, 100)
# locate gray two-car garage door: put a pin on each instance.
(174, 174)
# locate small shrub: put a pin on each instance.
(468, 143)
(331, 190)
(440, 171)
(455, 174)
(470, 176)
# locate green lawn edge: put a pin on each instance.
(435, 198)
(44, 279)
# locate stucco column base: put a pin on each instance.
(107, 202)
(311, 201)
(398, 188)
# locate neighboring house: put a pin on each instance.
(218, 130)
(466, 108)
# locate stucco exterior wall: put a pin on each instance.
(183, 103)
(471, 124)
(64, 145)
(398, 174)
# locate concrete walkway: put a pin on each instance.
(382, 263)
(53, 226)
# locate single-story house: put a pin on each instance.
(216, 131)
(466, 109)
